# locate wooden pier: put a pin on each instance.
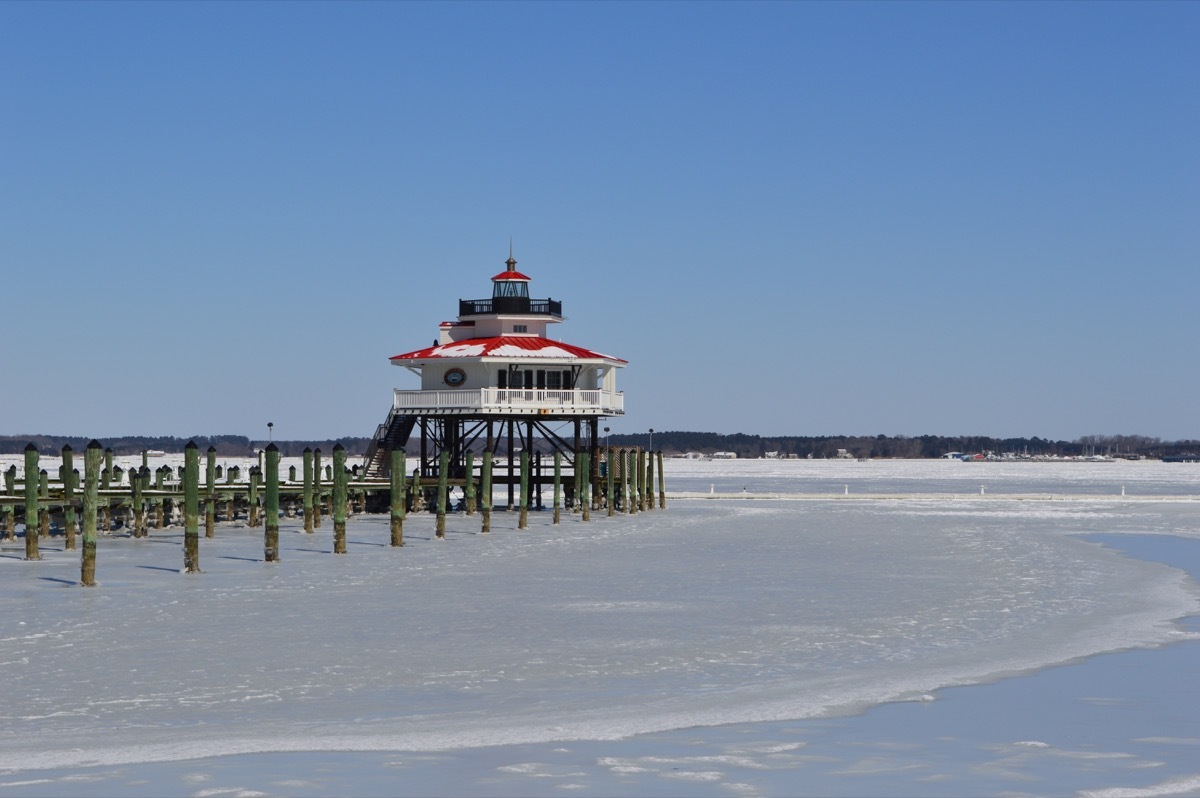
(136, 501)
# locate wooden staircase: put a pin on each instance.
(391, 434)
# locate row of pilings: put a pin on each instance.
(105, 495)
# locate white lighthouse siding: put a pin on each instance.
(502, 401)
(483, 373)
(504, 364)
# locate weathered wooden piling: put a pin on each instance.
(418, 495)
(210, 492)
(68, 480)
(557, 486)
(399, 500)
(582, 461)
(252, 515)
(159, 475)
(31, 503)
(230, 497)
(469, 486)
(191, 508)
(662, 484)
(523, 516)
(317, 488)
(10, 511)
(641, 479)
(339, 499)
(308, 490)
(106, 483)
(623, 459)
(443, 467)
(485, 490)
(44, 497)
(139, 479)
(649, 480)
(611, 480)
(631, 472)
(91, 495)
(271, 534)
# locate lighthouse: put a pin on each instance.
(496, 381)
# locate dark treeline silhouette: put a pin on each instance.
(922, 446)
(745, 446)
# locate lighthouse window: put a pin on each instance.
(554, 380)
(520, 328)
(504, 288)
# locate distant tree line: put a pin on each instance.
(706, 443)
(903, 446)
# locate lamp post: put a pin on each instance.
(652, 439)
(606, 437)
(270, 431)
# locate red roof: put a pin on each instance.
(511, 275)
(505, 346)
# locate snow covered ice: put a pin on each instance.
(712, 612)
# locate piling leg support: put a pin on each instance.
(158, 502)
(612, 478)
(271, 533)
(252, 513)
(91, 494)
(662, 483)
(339, 499)
(69, 476)
(31, 503)
(10, 512)
(210, 492)
(191, 508)
(557, 486)
(44, 495)
(631, 467)
(523, 517)
(399, 500)
(649, 480)
(469, 490)
(308, 490)
(443, 467)
(485, 491)
(105, 477)
(585, 484)
(316, 514)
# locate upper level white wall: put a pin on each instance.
(484, 375)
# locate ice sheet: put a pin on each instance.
(708, 613)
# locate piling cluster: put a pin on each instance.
(136, 500)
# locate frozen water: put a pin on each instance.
(708, 613)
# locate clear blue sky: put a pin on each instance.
(791, 218)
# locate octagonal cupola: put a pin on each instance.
(509, 311)
(510, 289)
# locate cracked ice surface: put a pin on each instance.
(708, 613)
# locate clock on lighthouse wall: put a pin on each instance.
(455, 377)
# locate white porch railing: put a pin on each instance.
(512, 401)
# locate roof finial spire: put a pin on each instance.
(511, 262)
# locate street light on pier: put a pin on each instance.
(652, 439)
(270, 431)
